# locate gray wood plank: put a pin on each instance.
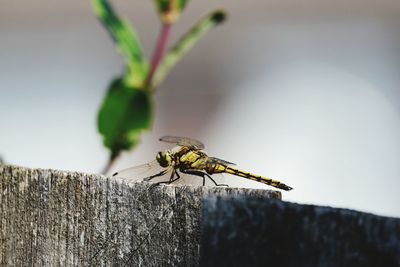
(57, 218)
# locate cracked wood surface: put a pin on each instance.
(57, 218)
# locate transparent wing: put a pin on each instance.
(183, 141)
(143, 172)
(137, 169)
(214, 160)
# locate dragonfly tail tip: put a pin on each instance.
(285, 187)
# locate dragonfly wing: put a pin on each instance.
(137, 169)
(141, 172)
(214, 160)
(183, 141)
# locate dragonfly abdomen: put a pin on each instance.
(257, 178)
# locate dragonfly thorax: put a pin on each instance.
(164, 158)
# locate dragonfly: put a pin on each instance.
(188, 159)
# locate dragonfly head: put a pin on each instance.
(164, 158)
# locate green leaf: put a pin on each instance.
(125, 113)
(170, 10)
(126, 40)
(185, 44)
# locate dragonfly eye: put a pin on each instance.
(163, 159)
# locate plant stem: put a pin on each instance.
(157, 56)
(158, 52)
(109, 164)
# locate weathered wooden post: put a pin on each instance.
(55, 218)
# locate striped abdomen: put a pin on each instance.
(217, 168)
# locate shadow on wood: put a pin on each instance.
(249, 231)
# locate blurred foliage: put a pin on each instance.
(127, 42)
(127, 108)
(170, 10)
(124, 112)
(187, 41)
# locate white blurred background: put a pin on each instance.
(303, 91)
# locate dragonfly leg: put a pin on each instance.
(155, 175)
(215, 182)
(171, 179)
(172, 176)
(203, 175)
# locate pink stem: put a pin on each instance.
(158, 51)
